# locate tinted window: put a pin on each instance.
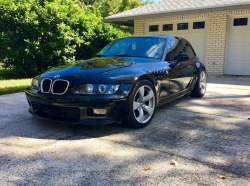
(199, 25)
(182, 26)
(180, 48)
(167, 27)
(171, 45)
(146, 47)
(189, 50)
(153, 28)
(240, 21)
(174, 48)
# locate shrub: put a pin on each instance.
(36, 35)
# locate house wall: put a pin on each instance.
(216, 36)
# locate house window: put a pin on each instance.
(199, 25)
(153, 28)
(240, 21)
(182, 26)
(167, 27)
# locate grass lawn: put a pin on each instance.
(13, 85)
(10, 84)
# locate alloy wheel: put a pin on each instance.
(203, 82)
(144, 104)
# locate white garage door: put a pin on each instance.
(195, 31)
(238, 46)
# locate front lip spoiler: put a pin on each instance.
(85, 121)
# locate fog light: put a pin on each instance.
(100, 111)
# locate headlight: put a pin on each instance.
(35, 84)
(97, 89)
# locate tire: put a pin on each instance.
(142, 104)
(200, 86)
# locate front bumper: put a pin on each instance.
(77, 108)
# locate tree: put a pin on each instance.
(111, 7)
(36, 35)
(88, 2)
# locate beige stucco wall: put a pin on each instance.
(216, 35)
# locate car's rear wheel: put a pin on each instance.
(142, 105)
(200, 85)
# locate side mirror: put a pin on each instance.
(172, 65)
(182, 57)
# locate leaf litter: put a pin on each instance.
(175, 163)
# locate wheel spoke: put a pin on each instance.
(202, 76)
(148, 109)
(140, 118)
(141, 92)
(149, 96)
(136, 105)
(203, 85)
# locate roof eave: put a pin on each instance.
(181, 12)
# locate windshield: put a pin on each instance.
(145, 47)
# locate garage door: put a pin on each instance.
(195, 31)
(238, 46)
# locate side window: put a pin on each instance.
(171, 45)
(178, 49)
(189, 50)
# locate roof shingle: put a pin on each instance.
(168, 6)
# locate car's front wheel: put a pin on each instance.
(142, 105)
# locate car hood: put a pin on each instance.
(89, 67)
(101, 67)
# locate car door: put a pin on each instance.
(164, 82)
(191, 62)
(181, 73)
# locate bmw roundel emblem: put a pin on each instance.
(57, 76)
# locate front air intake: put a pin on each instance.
(45, 85)
(59, 87)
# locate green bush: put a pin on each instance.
(36, 35)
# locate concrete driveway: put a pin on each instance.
(208, 137)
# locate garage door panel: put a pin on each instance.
(237, 38)
(154, 33)
(238, 49)
(199, 40)
(236, 52)
(185, 36)
(201, 53)
(239, 67)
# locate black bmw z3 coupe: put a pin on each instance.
(124, 83)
